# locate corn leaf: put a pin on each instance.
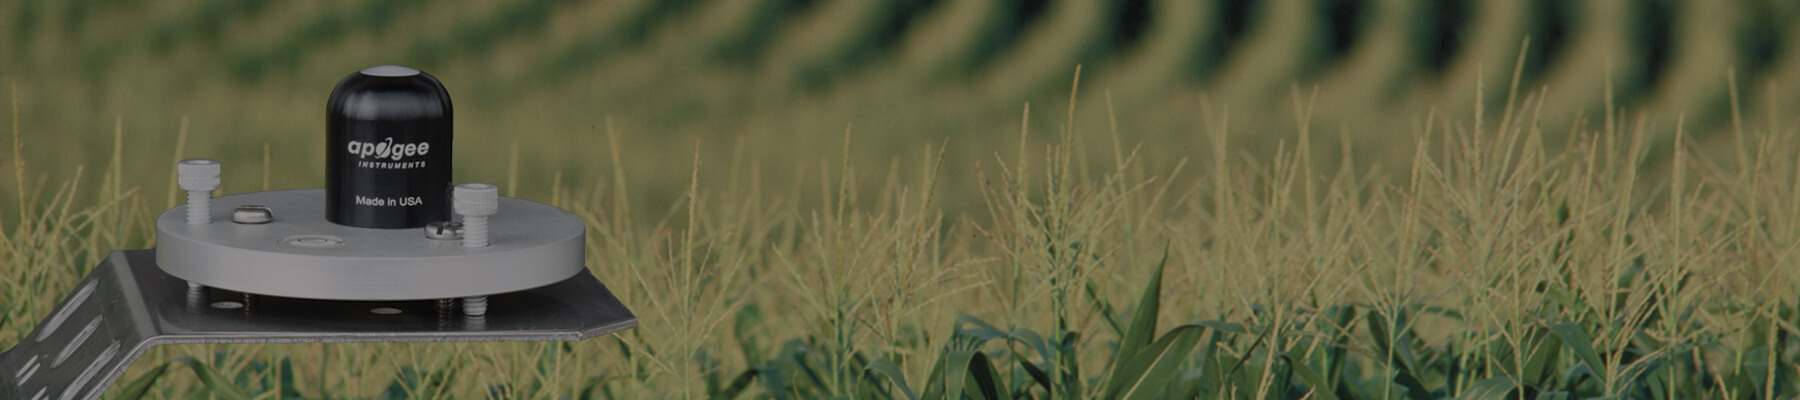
(1142, 329)
(1541, 361)
(1321, 388)
(956, 369)
(744, 328)
(1188, 385)
(1070, 362)
(986, 379)
(213, 380)
(1578, 343)
(1033, 339)
(1107, 313)
(1415, 389)
(934, 382)
(739, 384)
(1500, 388)
(1144, 376)
(140, 386)
(1392, 344)
(886, 367)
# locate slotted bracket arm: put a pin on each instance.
(128, 305)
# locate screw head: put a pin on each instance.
(444, 230)
(197, 174)
(476, 199)
(252, 215)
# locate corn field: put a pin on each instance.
(925, 199)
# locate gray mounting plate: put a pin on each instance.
(534, 244)
(128, 304)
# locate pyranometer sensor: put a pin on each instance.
(388, 251)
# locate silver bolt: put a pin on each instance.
(252, 215)
(475, 202)
(445, 308)
(474, 306)
(444, 230)
(196, 295)
(199, 178)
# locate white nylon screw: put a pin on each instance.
(475, 202)
(199, 178)
(474, 306)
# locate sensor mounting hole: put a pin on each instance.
(313, 241)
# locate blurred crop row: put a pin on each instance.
(1019, 198)
(787, 78)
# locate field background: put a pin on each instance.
(772, 180)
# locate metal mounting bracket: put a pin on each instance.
(128, 304)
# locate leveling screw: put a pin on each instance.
(196, 295)
(475, 306)
(475, 202)
(199, 178)
(445, 308)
